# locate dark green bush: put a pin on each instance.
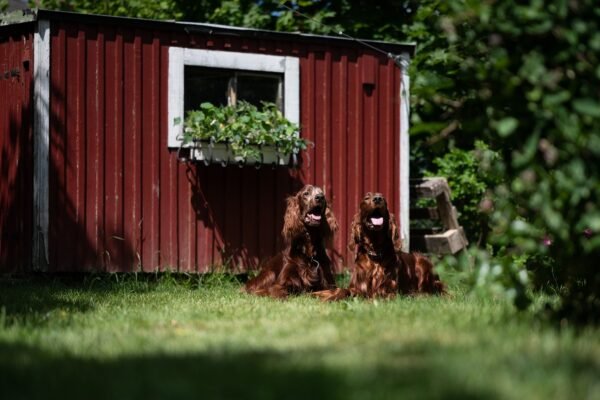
(524, 77)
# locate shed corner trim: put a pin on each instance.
(41, 144)
(404, 151)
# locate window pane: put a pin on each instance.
(255, 88)
(205, 85)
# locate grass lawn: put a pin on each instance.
(170, 338)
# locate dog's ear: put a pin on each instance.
(330, 226)
(355, 232)
(292, 221)
(393, 232)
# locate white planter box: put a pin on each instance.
(219, 153)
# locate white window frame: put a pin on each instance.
(179, 57)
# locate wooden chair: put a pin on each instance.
(446, 236)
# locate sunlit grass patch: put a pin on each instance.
(203, 337)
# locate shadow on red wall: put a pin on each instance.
(16, 152)
(242, 210)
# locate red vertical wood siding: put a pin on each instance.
(16, 150)
(120, 199)
(113, 237)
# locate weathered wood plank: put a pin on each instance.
(453, 238)
(445, 209)
(429, 187)
(449, 242)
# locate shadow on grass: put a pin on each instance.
(27, 372)
(30, 298)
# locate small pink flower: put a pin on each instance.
(588, 233)
(547, 241)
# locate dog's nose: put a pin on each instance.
(320, 197)
(377, 199)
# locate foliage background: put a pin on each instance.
(505, 100)
(523, 77)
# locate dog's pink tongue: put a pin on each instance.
(315, 217)
(377, 221)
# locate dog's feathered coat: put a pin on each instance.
(303, 266)
(381, 269)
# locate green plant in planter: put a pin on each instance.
(244, 128)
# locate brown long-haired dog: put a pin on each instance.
(381, 268)
(303, 266)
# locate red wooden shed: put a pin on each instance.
(90, 178)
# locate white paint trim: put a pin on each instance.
(234, 60)
(179, 57)
(291, 89)
(41, 144)
(404, 152)
(176, 91)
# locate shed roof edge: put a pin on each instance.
(24, 16)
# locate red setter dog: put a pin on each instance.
(303, 266)
(381, 269)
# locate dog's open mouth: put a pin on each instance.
(313, 216)
(375, 220)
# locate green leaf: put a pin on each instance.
(587, 106)
(506, 126)
(553, 99)
(243, 127)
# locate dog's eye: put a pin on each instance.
(367, 197)
(305, 194)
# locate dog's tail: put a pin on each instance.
(332, 294)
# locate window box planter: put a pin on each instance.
(221, 153)
(240, 135)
